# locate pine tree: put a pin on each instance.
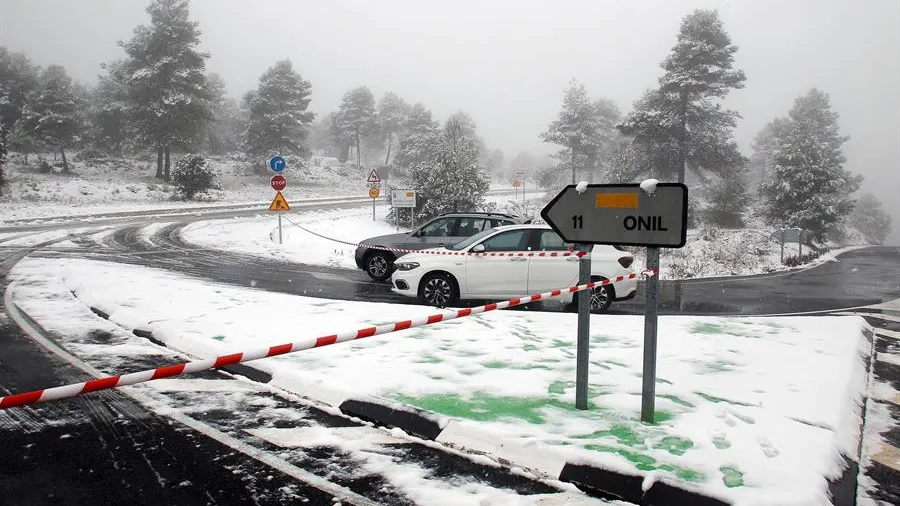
(809, 188)
(108, 110)
(169, 100)
(18, 79)
(418, 139)
(356, 116)
(870, 219)
(450, 179)
(52, 114)
(392, 112)
(764, 145)
(279, 119)
(3, 152)
(226, 132)
(699, 69)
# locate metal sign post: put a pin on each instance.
(582, 360)
(648, 388)
(650, 214)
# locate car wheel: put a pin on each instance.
(601, 298)
(438, 290)
(379, 265)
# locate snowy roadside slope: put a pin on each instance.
(753, 410)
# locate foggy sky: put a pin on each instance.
(508, 62)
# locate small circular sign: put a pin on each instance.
(374, 192)
(277, 164)
(278, 182)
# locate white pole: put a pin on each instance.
(279, 228)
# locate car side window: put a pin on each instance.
(471, 226)
(442, 227)
(499, 223)
(513, 240)
(551, 241)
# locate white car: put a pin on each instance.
(441, 280)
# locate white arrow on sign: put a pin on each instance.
(622, 214)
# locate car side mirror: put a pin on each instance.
(478, 248)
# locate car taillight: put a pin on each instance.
(626, 261)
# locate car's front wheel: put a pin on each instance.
(438, 290)
(379, 265)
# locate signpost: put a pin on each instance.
(786, 235)
(405, 199)
(650, 214)
(374, 184)
(278, 182)
(520, 180)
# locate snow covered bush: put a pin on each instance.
(193, 175)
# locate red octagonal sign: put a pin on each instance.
(278, 182)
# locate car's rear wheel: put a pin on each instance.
(601, 298)
(438, 289)
(379, 265)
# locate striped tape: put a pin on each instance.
(578, 254)
(75, 389)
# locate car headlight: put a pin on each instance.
(406, 266)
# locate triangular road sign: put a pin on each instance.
(373, 177)
(279, 203)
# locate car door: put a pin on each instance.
(549, 273)
(490, 276)
(438, 232)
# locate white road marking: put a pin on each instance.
(889, 358)
(888, 456)
(887, 333)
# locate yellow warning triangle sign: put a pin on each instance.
(279, 203)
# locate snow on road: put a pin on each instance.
(751, 409)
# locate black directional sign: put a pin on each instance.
(622, 214)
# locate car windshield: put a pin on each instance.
(470, 241)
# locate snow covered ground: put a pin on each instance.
(121, 185)
(754, 410)
(709, 251)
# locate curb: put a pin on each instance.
(455, 434)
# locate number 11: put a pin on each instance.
(578, 221)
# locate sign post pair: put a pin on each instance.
(650, 214)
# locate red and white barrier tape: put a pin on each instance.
(442, 252)
(75, 389)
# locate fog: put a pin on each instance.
(507, 62)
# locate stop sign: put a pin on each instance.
(278, 182)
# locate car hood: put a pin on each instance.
(388, 240)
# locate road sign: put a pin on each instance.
(279, 203)
(516, 183)
(520, 174)
(374, 192)
(277, 164)
(278, 182)
(621, 214)
(403, 198)
(373, 177)
(373, 185)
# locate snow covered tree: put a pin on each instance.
(193, 175)
(418, 139)
(870, 219)
(18, 79)
(392, 113)
(809, 188)
(108, 110)
(764, 145)
(279, 120)
(700, 68)
(169, 100)
(52, 114)
(496, 161)
(586, 130)
(356, 116)
(227, 131)
(3, 153)
(451, 178)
